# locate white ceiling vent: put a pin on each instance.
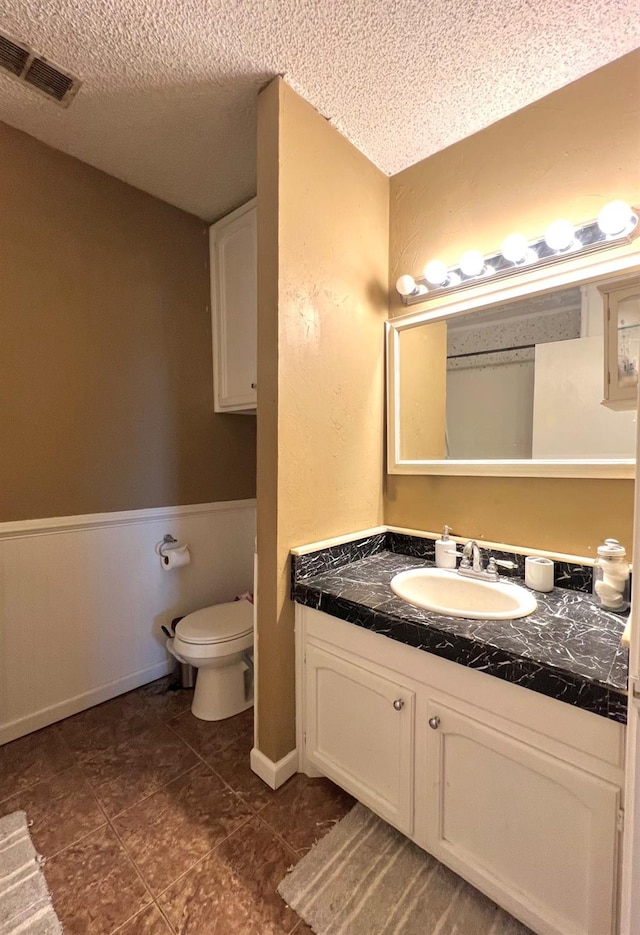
(29, 67)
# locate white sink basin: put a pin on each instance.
(446, 592)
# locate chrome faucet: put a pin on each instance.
(471, 558)
(471, 563)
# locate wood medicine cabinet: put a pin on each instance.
(621, 302)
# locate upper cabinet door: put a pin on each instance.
(622, 342)
(233, 246)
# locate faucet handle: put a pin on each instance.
(495, 563)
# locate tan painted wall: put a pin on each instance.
(321, 433)
(566, 155)
(422, 391)
(105, 361)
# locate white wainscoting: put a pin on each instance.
(82, 599)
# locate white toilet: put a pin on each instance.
(217, 640)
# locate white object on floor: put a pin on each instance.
(216, 640)
(25, 903)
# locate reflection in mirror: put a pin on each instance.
(514, 382)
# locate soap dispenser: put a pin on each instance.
(446, 555)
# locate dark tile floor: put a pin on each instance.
(152, 823)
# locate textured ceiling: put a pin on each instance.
(169, 96)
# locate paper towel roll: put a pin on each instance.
(175, 558)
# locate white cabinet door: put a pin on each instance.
(534, 833)
(360, 733)
(234, 292)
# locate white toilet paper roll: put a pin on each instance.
(175, 558)
(538, 573)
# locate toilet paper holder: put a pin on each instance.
(168, 542)
(172, 553)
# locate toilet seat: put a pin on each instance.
(218, 630)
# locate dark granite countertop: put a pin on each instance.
(569, 649)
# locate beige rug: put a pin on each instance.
(365, 878)
(25, 904)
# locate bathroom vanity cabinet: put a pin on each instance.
(519, 793)
(234, 291)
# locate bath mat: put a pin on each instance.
(365, 878)
(25, 904)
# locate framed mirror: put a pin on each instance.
(511, 386)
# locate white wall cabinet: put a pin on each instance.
(234, 294)
(518, 793)
(621, 342)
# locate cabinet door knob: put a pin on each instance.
(253, 386)
(434, 723)
(398, 704)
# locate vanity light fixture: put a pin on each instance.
(472, 263)
(516, 249)
(436, 273)
(616, 223)
(409, 288)
(561, 236)
(615, 218)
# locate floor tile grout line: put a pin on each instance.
(237, 792)
(82, 837)
(289, 847)
(32, 785)
(39, 782)
(80, 768)
(153, 792)
(54, 727)
(144, 909)
(178, 776)
(205, 856)
(166, 918)
(120, 842)
(89, 754)
(75, 754)
(122, 925)
(221, 841)
(146, 705)
(134, 865)
(77, 761)
(48, 857)
(206, 761)
(156, 896)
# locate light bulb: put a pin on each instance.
(515, 248)
(472, 263)
(615, 218)
(406, 285)
(436, 273)
(559, 235)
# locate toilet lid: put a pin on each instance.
(217, 624)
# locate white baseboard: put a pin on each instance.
(274, 774)
(53, 713)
